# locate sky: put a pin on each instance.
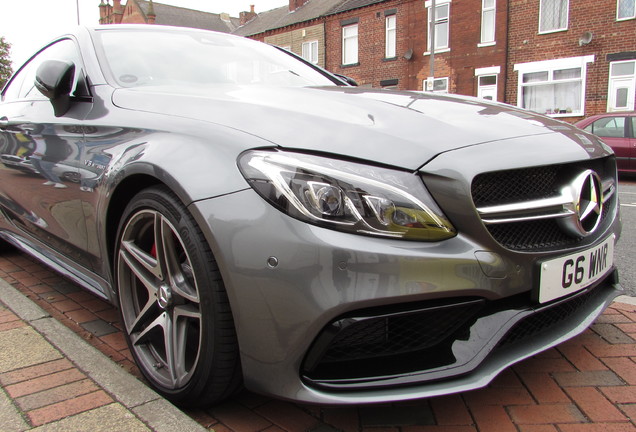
(30, 24)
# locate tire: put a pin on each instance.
(174, 307)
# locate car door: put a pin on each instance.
(39, 176)
(614, 131)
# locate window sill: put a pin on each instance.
(344, 66)
(546, 32)
(441, 51)
(389, 59)
(565, 115)
(486, 44)
(625, 19)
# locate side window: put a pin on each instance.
(22, 85)
(608, 127)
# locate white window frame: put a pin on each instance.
(627, 17)
(550, 66)
(430, 82)
(438, 22)
(621, 81)
(310, 51)
(483, 90)
(485, 10)
(390, 37)
(557, 29)
(350, 57)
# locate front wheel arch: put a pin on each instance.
(155, 214)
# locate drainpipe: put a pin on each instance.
(432, 41)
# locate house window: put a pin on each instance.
(441, 24)
(553, 87)
(310, 51)
(622, 86)
(391, 36)
(488, 22)
(625, 9)
(350, 44)
(553, 15)
(436, 85)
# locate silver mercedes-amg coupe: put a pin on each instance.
(262, 223)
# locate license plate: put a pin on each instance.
(568, 274)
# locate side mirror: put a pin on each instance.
(54, 79)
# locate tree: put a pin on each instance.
(5, 62)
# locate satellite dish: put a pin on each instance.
(585, 38)
(409, 54)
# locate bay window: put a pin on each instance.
(553, 87)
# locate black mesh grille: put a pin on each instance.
(529, 236)
(545, 319)
(376, 337)
(517, 186)
(514, 185)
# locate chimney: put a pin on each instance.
(103, 12)
(118, 12)
(295, 4)
(245, 17)
(152, 16)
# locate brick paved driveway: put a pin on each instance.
(586, 384)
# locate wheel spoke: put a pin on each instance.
(137, 262)
(145, 315)
(169, 250)
(179, 344)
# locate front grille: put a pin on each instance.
(530, 236)
(391, 342)
(514, 185)
(546, 319)
(538, 183)
(384, 336)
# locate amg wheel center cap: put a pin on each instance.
(164, 297)
(587, 205)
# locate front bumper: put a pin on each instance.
(289, 282)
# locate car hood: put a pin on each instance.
(402, 129)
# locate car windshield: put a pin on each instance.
(193, 59)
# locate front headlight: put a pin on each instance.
(346, 196)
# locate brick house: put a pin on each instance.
(384, 43)
(149, 12)
(572, 58)
(482, 48)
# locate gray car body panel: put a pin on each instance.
(417, 127)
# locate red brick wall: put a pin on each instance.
(459, 64)
(596, 16)
(372, 66)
